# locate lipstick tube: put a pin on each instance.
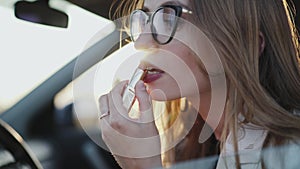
(129, 92)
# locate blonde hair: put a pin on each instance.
(263, 87)
(177, 117)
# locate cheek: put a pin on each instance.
(197, 74)
(184, 76)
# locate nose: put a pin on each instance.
(145, 41)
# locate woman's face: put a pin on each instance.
(174, 70)
(188, 66)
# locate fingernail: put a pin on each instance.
(140, 85)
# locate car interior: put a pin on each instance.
(39, 130)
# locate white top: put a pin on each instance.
(250, 143)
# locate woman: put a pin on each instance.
(257, 44)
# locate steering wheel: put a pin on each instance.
(14, 152)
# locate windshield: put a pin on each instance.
(31, 52)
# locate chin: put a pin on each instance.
(163, 91)
(159, 95)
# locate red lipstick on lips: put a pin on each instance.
(152, 75)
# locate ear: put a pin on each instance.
(262, 43)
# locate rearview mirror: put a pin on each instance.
(40, 12)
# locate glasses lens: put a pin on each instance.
(138, 20)
(164, 23)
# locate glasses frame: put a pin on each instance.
(178, 12)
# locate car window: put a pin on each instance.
(102, 76)
(31, 52)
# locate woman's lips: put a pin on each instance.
(152, 75)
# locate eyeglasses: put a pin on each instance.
(163, 23)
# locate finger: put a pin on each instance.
(117, 110)
(115, 98)
(142, 96)
(119, 88)
(103, 115)
(103, 106)
(145, 103)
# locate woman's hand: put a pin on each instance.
(135, 143)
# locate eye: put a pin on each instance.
(167, 17)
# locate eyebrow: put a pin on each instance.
(146, 9)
